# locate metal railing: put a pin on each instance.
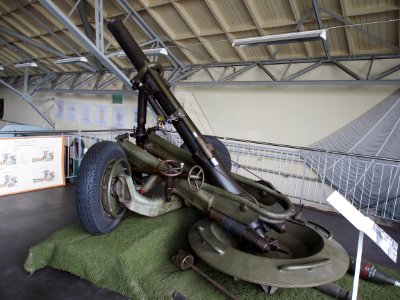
(306, 175)
(372, 184)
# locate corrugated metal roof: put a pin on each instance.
(201, 31)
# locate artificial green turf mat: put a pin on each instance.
(135, 261)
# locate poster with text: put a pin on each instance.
(32, 163)
(86, 114)
(101, 115)
(72, 109)
(60, 109)
(118, 117)
(134, 116)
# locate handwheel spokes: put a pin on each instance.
(195, 178)
(170, 168)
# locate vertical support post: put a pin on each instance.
(80, 148)
(358, 264)
(99, 25)
(237, 158)
(304, 178)
(323, 179)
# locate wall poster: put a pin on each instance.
(31, 163)
(86, 113)
(118, 117)
(134, 116)
(60, 109)
(101, 115)
(72, 109)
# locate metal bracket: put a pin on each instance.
(177, 115)
(137, 79)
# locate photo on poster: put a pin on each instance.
(72, 109)
(101, 115)
(118, 117)
(60, 109)
(86, 113)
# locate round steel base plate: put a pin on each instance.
(308, 257)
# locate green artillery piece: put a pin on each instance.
(251, 231)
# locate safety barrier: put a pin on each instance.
(306, 175)
(309, 176)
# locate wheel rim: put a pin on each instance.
(111, 204)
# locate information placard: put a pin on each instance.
(365, 224)
(31, 163)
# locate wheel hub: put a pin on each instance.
(109, 196)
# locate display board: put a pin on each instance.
(365, 224)
(31, 163)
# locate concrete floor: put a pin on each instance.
(28, 218)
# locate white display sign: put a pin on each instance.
(118, 117)
(32, 163)
(365, 224)
(86, 113)
(101, 115)
(72, 109)
(60, 109)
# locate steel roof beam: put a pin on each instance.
(301, 72)
(27, 98)
(126, 6)
(82, 78)
(347, 70)
(267, 71)
(99, 25)
(388, 72)
(250, 7)
(47, 28)
(59, 15)
(23, 55)
(186, 74)
(45, 80)
(300, 60)
(74, 7)
(298, 26)
(320, 26)
(40, 46)
(95, 92)
(84, 81)
(289, 83)
(231, 76)
(85, 21)
(345, 21)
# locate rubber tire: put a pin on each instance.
(222, 152)
(88, 203)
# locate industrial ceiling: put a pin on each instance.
(197, 34)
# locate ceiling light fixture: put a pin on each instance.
(71, 60)
(27, 65)
(155, 51)
(147, 52)
(1, 68)
(283, 38)
(120, 53)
